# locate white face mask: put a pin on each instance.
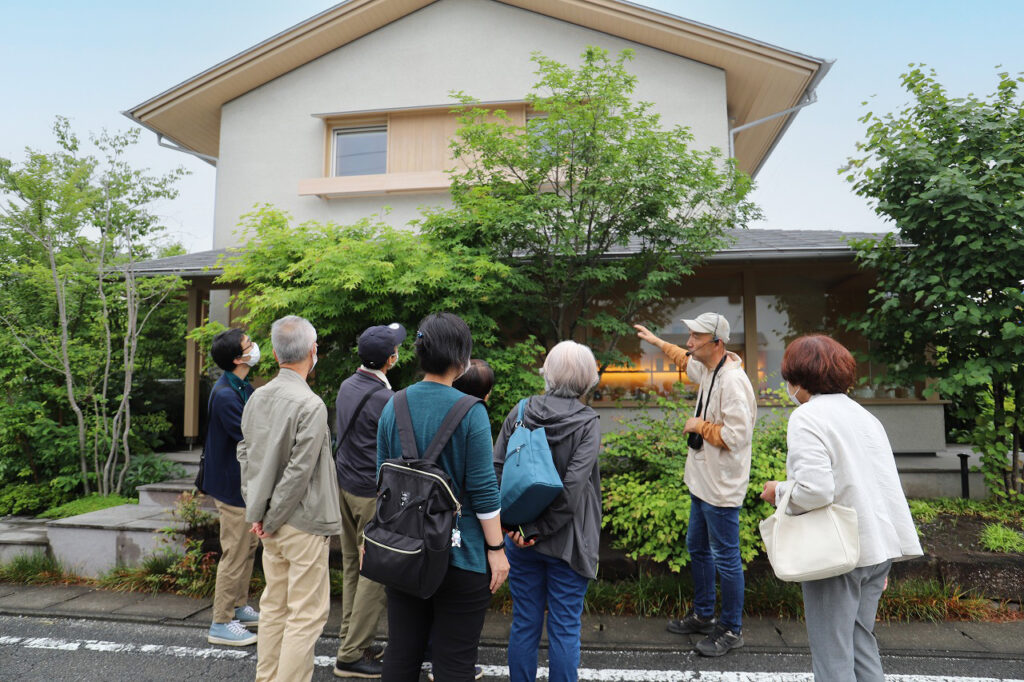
(254, 355)
(792, 396)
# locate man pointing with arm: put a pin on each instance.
(717, 473)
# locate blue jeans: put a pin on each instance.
(538, 581)
(713, 540)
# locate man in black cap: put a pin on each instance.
(361, 399)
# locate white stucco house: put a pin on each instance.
(347, 114)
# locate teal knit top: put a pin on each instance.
(467, 459)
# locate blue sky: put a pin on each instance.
(91, 60)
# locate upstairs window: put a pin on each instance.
(361, 150)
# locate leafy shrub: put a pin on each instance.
(646, 503)
(996, 537)
(84, 505)
(516, 376)
(150, 468)
(28, 498)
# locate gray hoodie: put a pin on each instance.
(570, 528)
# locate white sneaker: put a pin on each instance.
(230, 634)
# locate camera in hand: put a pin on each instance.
(695, 441)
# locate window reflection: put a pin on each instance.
(651, 372)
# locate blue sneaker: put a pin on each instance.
(247, 616)
(230, 634)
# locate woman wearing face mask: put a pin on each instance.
(839, 453)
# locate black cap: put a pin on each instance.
(377, 344)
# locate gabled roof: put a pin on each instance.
(746, 246)
(761, 79)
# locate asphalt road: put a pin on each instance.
(34, 648)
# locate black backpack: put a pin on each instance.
(409, 538)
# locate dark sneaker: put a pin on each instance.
(719, 642)
(375, 652)
(365, 667)
(691, 624)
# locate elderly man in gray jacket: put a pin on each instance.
(291, 499)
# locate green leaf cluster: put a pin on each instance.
(345, 278)
(591, 203)
(647, 505)
(948, 305)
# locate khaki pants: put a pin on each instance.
(363, 600)
(294, 606)
(234, 569)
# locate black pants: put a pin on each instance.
(451, 620)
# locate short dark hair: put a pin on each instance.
(226, 347)
(443, 341)
(478, 379)
(819, 364)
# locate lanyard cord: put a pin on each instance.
(700, 403)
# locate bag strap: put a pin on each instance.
(406, 435)
(355, 416)
(519, 417)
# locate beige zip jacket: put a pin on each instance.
(719, 472)
(285, 456)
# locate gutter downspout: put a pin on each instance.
(809, 97)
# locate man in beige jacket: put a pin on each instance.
(717, 474)
(291, 499)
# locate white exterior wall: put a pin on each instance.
(269, 139)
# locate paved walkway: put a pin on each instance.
(1002, 640)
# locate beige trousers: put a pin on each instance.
(234, 569)
(294, 606)
(363, 600)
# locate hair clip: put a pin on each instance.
(419, 334)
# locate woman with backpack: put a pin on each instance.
(453, 616)
(554, 557)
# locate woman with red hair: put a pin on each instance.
(839, 453)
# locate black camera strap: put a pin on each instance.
(700, 403)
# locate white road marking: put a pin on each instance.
(500, 671)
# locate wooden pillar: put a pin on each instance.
(193, 363)
(750, 328)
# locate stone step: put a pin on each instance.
(21, 535)
(188, 459)
(165, 493)
(95, 543)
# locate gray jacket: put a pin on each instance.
(285, 458)
(570, 528)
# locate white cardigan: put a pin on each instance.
(838, 452)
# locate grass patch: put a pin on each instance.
(84, 505)
(996, 537)
(992, 509)
(671, 596)
(37, 568)
(931, 601)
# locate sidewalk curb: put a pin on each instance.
(683, 648)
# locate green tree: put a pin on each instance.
(592, 205)
(72, 227)
(948, 304)
(344, 278)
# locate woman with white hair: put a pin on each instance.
(553, 558)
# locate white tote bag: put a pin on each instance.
(819, 544)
